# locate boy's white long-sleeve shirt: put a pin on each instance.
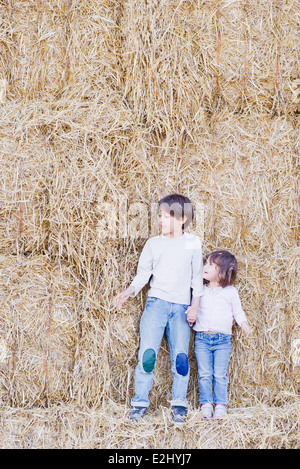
(174, 267)
(218, 308)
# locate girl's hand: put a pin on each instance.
(246, 328)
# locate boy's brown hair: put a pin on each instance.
(178, 205)
(227, 264)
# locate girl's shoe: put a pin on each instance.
(206, 411)
(220, 411)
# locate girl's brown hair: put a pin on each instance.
(227, 264)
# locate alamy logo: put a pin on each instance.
(138, 220)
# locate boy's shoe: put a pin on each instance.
(137, 413)
(206, 411)
(179, 413)
(220, 411)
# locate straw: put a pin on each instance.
(105, 108)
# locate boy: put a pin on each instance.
(173, 263)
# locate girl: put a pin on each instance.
(219, 305)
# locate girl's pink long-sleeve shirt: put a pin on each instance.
(218, 308)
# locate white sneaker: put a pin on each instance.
(220, 412)
(206, 411)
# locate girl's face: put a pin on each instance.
(211, 272)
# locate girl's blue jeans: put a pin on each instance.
(212, 353)
(160, 316)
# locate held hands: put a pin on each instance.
(120, 299)
(191, 314)
(192, 311)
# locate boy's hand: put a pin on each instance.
(246, 328)
(120, 299)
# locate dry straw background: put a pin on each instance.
(106, 106)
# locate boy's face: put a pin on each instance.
(169, 225)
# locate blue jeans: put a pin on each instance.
(212, 353)
(160, 316)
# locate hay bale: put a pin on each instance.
(39, 330)
(254, 215)
(69, 427)
(23, 187)
(255, 164)
(105, 108)
(56, 48)
(257, 56)
(105, 358)
(183, 60)
(165, 78)
(83, 182)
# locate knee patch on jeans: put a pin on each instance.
(182, 364)
(149, 358)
